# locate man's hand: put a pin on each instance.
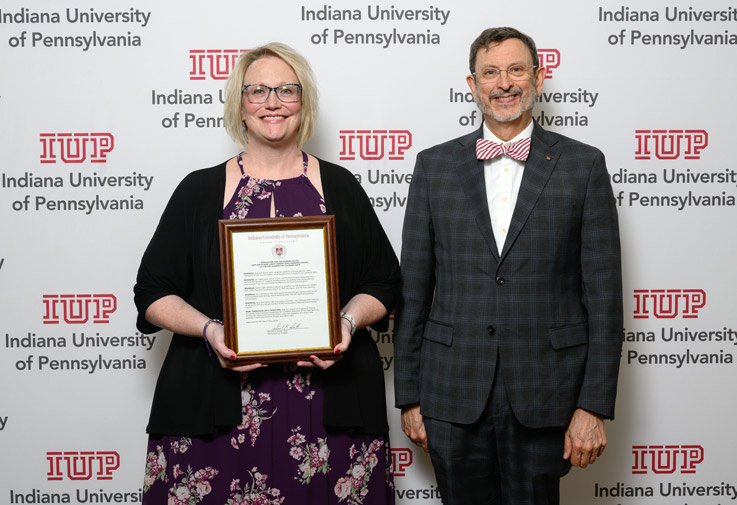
(413, 426)
(585, 438)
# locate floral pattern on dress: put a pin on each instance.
(254, 413)
(312, 457)
(193, 487)
(354, 486)
(388, 471)
(300, 381)
(180, 446)
(255, 493)
(253, 188)
(155, 468)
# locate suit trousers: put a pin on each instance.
(496, 460)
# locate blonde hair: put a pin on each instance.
(235, 126)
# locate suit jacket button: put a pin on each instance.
(500, 281)
(491, 330)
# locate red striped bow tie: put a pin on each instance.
(488, 150)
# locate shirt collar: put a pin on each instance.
(526, 133)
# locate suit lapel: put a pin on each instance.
(538, 167)
(471, 175)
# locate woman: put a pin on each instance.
(307, 432)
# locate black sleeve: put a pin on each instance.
(166, 266)
(366, 260)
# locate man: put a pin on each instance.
(508, 334)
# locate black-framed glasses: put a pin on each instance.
(259, 93)
(514, 72)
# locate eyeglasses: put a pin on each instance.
(259, 93)
(515, 73)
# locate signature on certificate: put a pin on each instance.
(284, 328)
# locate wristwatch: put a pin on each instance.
(350, 319)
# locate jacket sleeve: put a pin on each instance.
(417, 287)
(601, 271)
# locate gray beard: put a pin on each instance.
(487, 110)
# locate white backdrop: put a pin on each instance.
(106, 106)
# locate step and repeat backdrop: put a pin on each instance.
(105, 106)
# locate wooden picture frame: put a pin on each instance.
(280, 288)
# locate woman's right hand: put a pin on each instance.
(178, 316)
(226, 357)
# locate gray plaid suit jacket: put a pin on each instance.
(549, 306)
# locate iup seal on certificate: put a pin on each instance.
(280, 288)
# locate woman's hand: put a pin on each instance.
(226, 357)
(345, 330)
(174, 314)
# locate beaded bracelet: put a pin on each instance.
(204, 333)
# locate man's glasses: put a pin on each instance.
(259, 93)
(491, 74)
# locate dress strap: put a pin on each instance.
(240, 163)
(304, 162)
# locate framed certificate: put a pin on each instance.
(280, 288)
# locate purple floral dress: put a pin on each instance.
(280, 454)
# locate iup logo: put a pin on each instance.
(79, 309)
(666, 459)
(401, 460)
(76, 147)
(374, 144)
(550, 59)
(668, 303)
(213, 63)
(670, 144)
(82, 465)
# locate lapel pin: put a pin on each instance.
(548, 157)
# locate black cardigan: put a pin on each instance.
(194, 394)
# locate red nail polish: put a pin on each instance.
(232, 356)
(336, 351)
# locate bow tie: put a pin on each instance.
(488, 150)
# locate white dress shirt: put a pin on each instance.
(503, 176)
